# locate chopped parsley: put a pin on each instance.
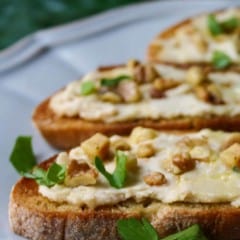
(221, 60)
(24, 161)
(118, 177)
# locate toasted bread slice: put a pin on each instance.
(175, 106)
(36, 217)
(190, 42)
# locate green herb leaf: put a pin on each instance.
(54, 175)
(230, 24)
(87, 88)
(23, 160)
(214, 26)
(22, 157)
(118, 177)
(220, 60)
(133, 229)
(192, 233)
(112, 82)
(236, 169)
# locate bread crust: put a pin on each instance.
(65, 132)
(153, 50)
(35, 217)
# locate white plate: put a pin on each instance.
(108, 38)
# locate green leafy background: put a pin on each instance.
(21, 17)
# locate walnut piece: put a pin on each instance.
(129, 91)
(80, 174)
(132, 163)
(195, 76)
(182, 163)
(201, 153)
(231, 156)
(145, 73)
(145, 150)
(155, 179)
(140, 134)
(111, 97)
(234, 138)
(120, 144)
(209, 93)
(97, 145)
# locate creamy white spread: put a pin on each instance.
(179, 101)
(210, 181)
(193, 41)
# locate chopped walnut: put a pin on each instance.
(145, 73)
(132, 163)
(191, 142)
(160, 86)
(111, 97)
(234, 138)
(145, 150)
(209, 93)
(164, 84)
(80, 174)
(120, 144)
(195, 76)
(155, 179)
(215, 94)
(97, 145)
(132, 63)
(182, 162)
(141, 134)
(129, 91)
(155, 93)
(201, 153)
(231, 156)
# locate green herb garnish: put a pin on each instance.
(220, 60)
(24, 161)
(192, 233)
(236, 169)
(118, 177)
(216, 28)
(133, 229)
(87, 88)
(22, 156)
(230, 24)
(112, 82)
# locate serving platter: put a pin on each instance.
(40, 64)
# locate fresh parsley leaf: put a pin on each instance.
(23, 160)
(230, 24)
(112, 82)
(220, 60)
(236, 169)
(214, 26)
(132, 229)
(22, 157)
(118, 177)
(54, 175)
(87, 88)
(192, 233)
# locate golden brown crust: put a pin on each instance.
(35, 217)
(153, 50)
(65, 133)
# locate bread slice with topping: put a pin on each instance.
(173, 180)
(210, 40)
(114, 100)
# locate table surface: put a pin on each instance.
(110, 38)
